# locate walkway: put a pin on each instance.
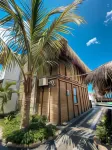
(78, 137)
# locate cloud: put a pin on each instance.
(109, 14)
(92, 41)
(108, 17)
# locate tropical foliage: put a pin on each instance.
(104, 128)
(32, 41)
(6, 92)
(37, 131)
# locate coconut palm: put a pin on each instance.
(6, 92)
(101, 79)
(32, 39)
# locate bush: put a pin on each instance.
(37, 118)
(31, 136)
(37, 130)
(21, 137)
(37, 122)
(104, 129)
(51, 130)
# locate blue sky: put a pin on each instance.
(97, 30)
(93, 40)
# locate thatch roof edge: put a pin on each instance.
(69, 52)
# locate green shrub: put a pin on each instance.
(37, 130)
(21, 137)
(29, 136)
(101, 133)
(37, 118)
(37, 122)
(40, 135)
(104, 128)
(51, 130)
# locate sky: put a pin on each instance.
(92, 41)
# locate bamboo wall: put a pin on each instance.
(48, 104)
(54, 102)
(70, 110)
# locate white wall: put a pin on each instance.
(13, 75)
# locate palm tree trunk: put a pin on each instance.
(37, 95)
(26, 103)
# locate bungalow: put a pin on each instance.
(61, 94)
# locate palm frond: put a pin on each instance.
(9, 84)
(17, 30)
(6, 93)
(52, 37)
(10, 59)
(62, 8)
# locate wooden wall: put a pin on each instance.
(54, 102)
(68, 109)
(48, 104)
(64, 71)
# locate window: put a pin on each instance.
(75, 95)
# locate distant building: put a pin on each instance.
(106, 98)
(91, 96)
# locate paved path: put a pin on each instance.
(78, 137)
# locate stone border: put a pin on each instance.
(34, 145)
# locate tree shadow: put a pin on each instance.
(79, 138)
(51, 145)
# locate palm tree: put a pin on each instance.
(32, 41)
(6, 92)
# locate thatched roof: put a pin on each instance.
(101, 78)
(66, 52)
(74, 58)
